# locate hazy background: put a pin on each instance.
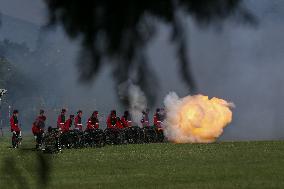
(237, 62)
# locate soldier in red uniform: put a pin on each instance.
(93, 121)
(126, 119)
(119, 124)
(68, 124)
(35, 129)
(61, 119)
(145, 118)
(38, 133)
(15, 129)
(78, 121)
(41, 119)
(158, 119)
(112, 119)
(38, 128)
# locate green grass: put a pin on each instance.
(217, 165)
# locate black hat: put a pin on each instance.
(63, 110)
(15, 111)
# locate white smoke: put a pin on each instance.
(138, 103)
(172, 104)
(137, 100)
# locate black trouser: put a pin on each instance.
(38, 139)
(15, 139)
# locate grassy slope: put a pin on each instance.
(218, 165)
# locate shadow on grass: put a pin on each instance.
(16, 176)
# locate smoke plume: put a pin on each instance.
(138, 103)
(137, 100)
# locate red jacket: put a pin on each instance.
(126, 122)
(119, 124)
(157, 121)
(67, 125)
(93, 123)
(78, 123)
(61, 121)
(111, 122)
(41, 121)
(14, 124)
(36, 129)
(41, 118)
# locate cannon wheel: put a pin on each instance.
(150, 134)
(113, 136)
(51, 142)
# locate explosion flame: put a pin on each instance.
(196, 119)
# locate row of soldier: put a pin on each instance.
(63, 124)
(113, 121)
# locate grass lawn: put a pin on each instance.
(217, 165)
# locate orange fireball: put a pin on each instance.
(196, 118)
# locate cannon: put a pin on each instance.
(69, 139)
(114, 136)
(51, 141)
(150, 134)
(160, 135)
(94, 138)
(133, 135)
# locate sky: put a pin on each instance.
(29, 10)
(239, 63)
